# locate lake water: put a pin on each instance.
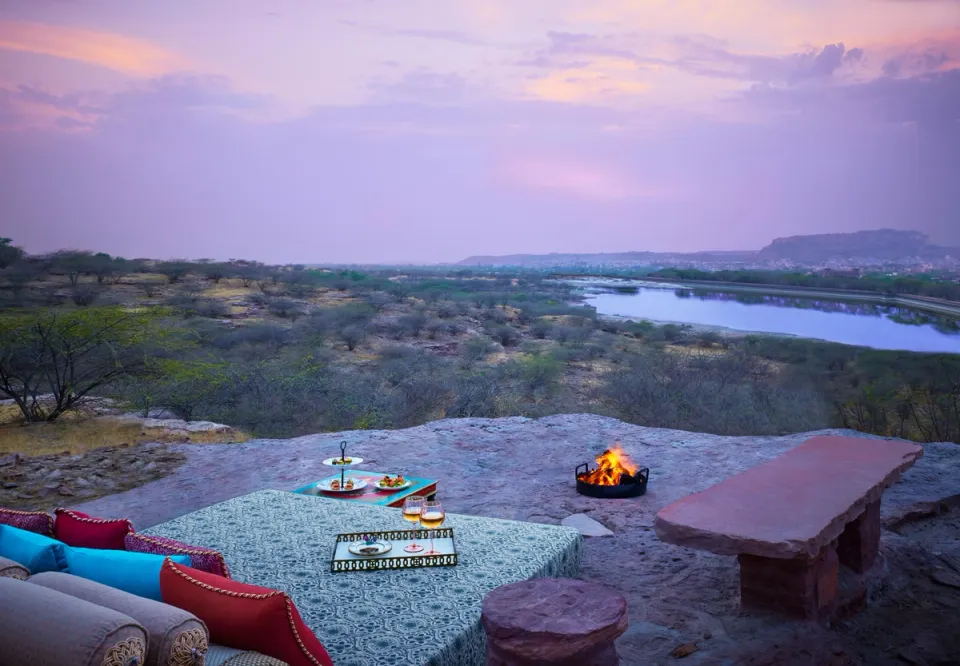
(852, 323)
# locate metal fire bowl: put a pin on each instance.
(629, 486)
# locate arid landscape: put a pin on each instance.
(290, 350)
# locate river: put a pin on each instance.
(853, 323)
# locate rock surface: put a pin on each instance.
(551, 620)
(46, 482)
(791, 506)
(587, 526)
(524, 469)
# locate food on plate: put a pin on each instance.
(349, 485)
(334, 485)
(391, 481)
(342, 461)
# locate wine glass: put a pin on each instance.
(412, 507)
(431, 517)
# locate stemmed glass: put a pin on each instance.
(431, 517)
(412, 507)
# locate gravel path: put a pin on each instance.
(524, 469)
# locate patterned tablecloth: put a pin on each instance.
(371, 494)
(284, 541)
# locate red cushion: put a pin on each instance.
(76, 528)
(246, 617)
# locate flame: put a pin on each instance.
(611, 464)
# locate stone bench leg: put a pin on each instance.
(859, 544)
(800, 587)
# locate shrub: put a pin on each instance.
(84, 295)
(265, 333)
(540, 373)
(477, 395)
(573, 335)
(506, 336)
(285, 308)
(174, 270)
(211, 307)
(447, 311)
(412, 323)
(259, 299)
(150, 288)
(541, 329)
(435, 327)
(378, 300)
(476, 349)
(352, 336)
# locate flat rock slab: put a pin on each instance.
(549, 620)
(586, 525)
(792, 505)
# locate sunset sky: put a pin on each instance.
(430, 130)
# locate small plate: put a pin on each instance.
(406, 484)
(358, 484)
(370, 550)
(335, 462)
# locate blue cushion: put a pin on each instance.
(136, 573)
(36, 552)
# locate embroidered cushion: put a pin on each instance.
(175, 637)
(243, 616)
(204, 559)
(36, 552)
(11, 569)
(40, 522)
(136, 573)
(76, 528)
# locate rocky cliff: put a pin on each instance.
(523, 469)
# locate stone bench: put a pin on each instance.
(793, 520)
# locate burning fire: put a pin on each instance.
(611, 464)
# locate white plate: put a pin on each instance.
(353, 461)
(378, 548)
(406, 484)
(358, 484)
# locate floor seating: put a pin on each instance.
(792, 521)
(285, 541)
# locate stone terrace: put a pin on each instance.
(523, 469)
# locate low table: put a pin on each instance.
(793, 520)
(371, 494)
(284, 541)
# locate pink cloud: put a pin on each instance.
(104, 49)
(577, 178)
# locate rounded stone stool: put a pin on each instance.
(553, 621)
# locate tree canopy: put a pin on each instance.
(50, 360)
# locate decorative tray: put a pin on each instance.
(395, 557)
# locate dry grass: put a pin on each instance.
(75, 436)
(226, 290)
(78, 433)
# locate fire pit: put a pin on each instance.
(616, 477)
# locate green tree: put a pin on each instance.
(9, 254)
(51, 360)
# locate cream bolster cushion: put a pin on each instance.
(43, 627)
(176, 637)
(12, 569)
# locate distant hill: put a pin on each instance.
(881, 245)
(861, 247)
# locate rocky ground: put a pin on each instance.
(681, 602)
(46, 482)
